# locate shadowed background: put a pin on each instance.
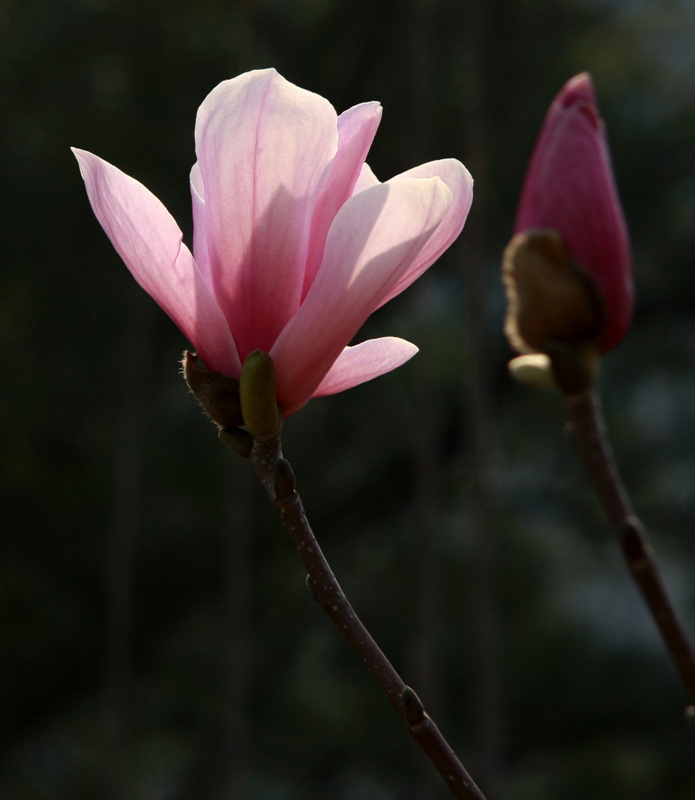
(157, 638)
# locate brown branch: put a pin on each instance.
(276, 476)
(591, 439)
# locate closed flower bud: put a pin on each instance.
(570, 189)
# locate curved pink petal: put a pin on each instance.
(200, 236)
(460, 183)
(263, 148)
(149, 241)
(365, 361)
(373, 241)
(570, 187)
(356, 129)
(366, 179)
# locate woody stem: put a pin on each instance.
(265, 455)
(590, 436)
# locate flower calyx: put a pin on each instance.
(218, 394)
(555, 314)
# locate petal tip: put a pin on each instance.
(578, 91)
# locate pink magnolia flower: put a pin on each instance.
(570, 187)
(295, 241)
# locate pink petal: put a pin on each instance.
(373, 241)
(460, 184)
(356, 129)
(366, 180)
(570, 187)
(200, 234)
(149, 241)
(263, 149)
(365, 361)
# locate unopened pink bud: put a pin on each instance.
(570, 188)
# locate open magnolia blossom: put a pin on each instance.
(568, 269)
(295, 241)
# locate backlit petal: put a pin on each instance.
(365, 361)
(200, 237)
(373, 241)
(366, 179)
(149, 241)
(263, 148)
(356, 129)
(460, 184)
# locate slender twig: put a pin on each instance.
(589, 431)
(265, 457)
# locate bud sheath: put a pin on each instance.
(257, 391)
(218, 394)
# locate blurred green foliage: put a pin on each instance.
(157, 638)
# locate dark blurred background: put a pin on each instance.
(157, 640)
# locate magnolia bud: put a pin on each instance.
(217, 393)
(570, 188)
(259, 406)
